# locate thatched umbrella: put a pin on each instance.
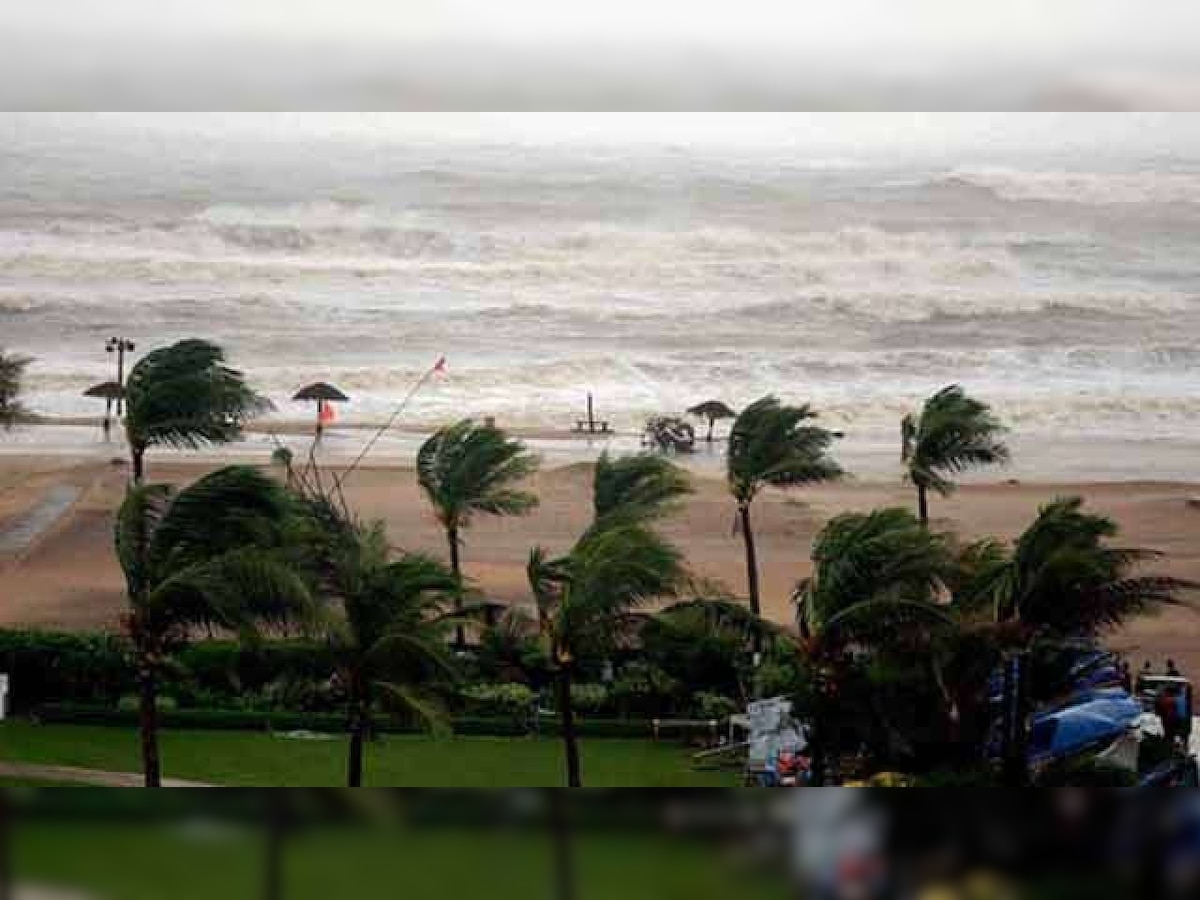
(110, 392)
(712, 410)
(321, 393)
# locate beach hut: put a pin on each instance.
(714, 411)
(323, 395)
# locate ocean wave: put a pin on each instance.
(1084, 188)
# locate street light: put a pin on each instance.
(120, 346)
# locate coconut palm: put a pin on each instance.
(873, 574)
(1063, 579)
(391, 641)
(185, 396)
(12, 374)
(645, 487)
(212, 555)
(469, 469)
(583, 601)
(779, 446)
(713, 411)
(954, 433)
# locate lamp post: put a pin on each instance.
(120, 346)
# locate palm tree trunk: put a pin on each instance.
(460, 633)
(148, 723)
(923, 503)
(139, 464)
(6, 830)
(275, 824)
(751, 563)
(566, 711)
(564, 860)
(358, 737)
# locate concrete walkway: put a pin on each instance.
(84, 777)
(18, 538)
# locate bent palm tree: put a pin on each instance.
(468, 469)
(774, 445)
(391, 640)
(873, 574)
(583, 600)
(642, 487)
(212, 555)
(953, 434)
(1062, 579)
(12, 374)
(185, 396)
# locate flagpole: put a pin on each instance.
(387, 426)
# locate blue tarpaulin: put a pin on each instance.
(1091, 721)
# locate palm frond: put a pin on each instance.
(407, 699)
(243, 591)
(468, 468)
(642, 487)
(774, 444)
(953, 434)
(186, 396)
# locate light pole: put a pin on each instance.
(120, 346)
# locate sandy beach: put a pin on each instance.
(68, 577)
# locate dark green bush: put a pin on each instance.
(50, 667)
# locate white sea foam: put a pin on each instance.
(1070, 298)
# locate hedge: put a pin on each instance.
(226, 720)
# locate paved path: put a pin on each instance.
(89, 777)
(19, 536)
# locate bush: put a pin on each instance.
(645, 690)
(589, 698)
(714, 707)
(46, 667)
(516, 701)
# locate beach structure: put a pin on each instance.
(591, 425)
(110, 392)
(713, 411)
(324, 395)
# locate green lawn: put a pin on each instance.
(259, 760)
(139, 863)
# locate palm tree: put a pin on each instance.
(391, 640)
(644, 487)
(1062, 579)
(583, 602)
(185, 396)
(212, 555)
(12, 373)
(953, 434)
(874, 574)
(774, 445)
(468, 469)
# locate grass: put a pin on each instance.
(242, 759)
(189, 863)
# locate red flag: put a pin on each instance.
(326, 415)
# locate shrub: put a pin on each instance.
(515, 701)
(49, 667)
(589, 698)
(645, 690)
(716, 707)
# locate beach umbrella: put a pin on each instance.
(713, 410)
(323, 395)
(108, 391)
